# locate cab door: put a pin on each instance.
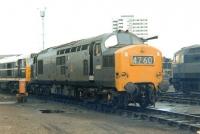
(97, 60)
(91, 63)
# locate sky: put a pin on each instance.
(176, 22)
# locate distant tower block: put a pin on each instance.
(135, 25)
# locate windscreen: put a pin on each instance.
(122, 39)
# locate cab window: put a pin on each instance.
(111, 41)
(97, 50)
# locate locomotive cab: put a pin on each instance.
(132, 67)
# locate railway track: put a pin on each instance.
(179, 120)
(182, 121)
(181, 98)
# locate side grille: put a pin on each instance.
(108, 61)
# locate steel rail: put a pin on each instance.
(180, 98)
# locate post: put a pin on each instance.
(42, 15)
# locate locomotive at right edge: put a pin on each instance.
(186, 69)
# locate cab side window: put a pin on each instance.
(97, 49)
(40, 66)
(85, 67)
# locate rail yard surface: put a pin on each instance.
(28, 118)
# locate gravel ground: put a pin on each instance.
(28, 119)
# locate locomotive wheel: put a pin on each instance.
(152, 97)
(143, 103)
(144, 98)
(109, 97)
(177, 87)
(120, 101)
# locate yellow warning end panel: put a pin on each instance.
(28, 73)
(137, 64)
(22, 86)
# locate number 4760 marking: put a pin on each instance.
(142, 60)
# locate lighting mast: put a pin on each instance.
(42, 15)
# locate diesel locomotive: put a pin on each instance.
(13, 69)
(186, 72)
(116, 68)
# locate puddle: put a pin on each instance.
(196, 114)
(7, 102)
(165, 109)
(48, 111)
(171, 105)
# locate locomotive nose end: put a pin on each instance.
(137, 72)
(137, 64)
